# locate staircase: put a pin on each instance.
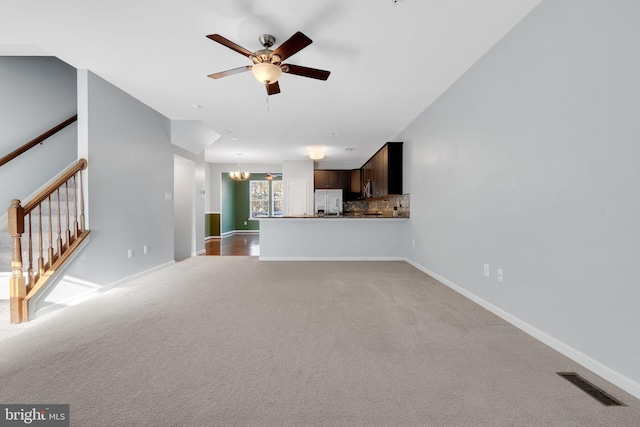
(40, 235)
(44, 233)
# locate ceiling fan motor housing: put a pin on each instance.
(267, 40)
(265, 56)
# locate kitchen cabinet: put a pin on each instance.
(331, 179)
(382, 174)
(356, 180)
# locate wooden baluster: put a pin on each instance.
(17, 285)
(51, 252)
(40, 252)
(75, 207)
(68, 232)
(81, 204)
(59, 225)
(30, 252)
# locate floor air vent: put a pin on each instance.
(590, 389)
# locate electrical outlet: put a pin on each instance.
(245, 223)
(145, 249)
(413, 243)
(167, 196)
(130, 253)
(486, 270)
(499, 275)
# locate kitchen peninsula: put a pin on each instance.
(367, 231)
(332, 238)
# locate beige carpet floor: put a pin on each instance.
(232, 341)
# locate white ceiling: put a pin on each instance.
(388, 61)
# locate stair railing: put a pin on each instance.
(60, 236)
(39, 140)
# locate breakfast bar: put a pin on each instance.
(333, 238)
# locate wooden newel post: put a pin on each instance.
(17, 283)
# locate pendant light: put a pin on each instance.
(239, 175)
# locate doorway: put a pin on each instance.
(184, 227)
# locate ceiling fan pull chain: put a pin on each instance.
(267, 103)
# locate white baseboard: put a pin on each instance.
(577, 356)
(346, 258)
(200, 252)
(229, 233)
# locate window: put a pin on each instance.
(265, 198)
(259, 192)
(276, 193)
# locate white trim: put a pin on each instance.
(614, 377)
(200, 252)
(212, 238)
(98, 290)
(320, 258)
(229, 233)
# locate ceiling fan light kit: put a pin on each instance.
(267, 64)
(266, 72)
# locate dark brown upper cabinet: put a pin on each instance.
(331, 179)
(382, 174)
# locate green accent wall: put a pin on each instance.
(227, 211)
(241, 204)
(235, 204)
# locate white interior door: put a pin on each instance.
(296, 196)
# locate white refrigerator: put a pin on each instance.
(329, 202)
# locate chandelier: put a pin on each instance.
(239, 175)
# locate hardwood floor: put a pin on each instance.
(241, 244)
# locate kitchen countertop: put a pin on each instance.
(333, 217)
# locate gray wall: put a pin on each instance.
(130, 170)
(36, 94)
(530, 163)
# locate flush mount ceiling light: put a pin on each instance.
(238, 175)
(316, 153)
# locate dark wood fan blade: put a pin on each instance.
(295, 44)
(222, 74)
(306, 71)
(228, 43)
(273, 88)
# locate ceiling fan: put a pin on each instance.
(267, 64)
(270, 175)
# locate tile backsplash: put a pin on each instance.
(382, 205)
